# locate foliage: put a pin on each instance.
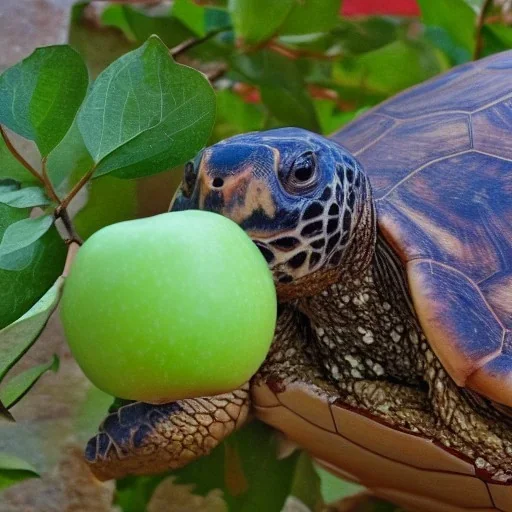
(271, 64)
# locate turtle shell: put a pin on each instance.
(439, 159)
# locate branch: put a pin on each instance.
(216, 73)
(74, 237)
(479, 45)
(195, 41)
(18, 157)
(293, 53)
(74, 191)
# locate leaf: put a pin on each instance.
(18, 337)
(109, 200)
(497, 38)
(282, 87)
(145, 113)
(14, 470)
(245, 467)
(258, 20)
(306, 483)
(24, 233)
(234, 115)
(309, 16)
(451, 26)
(42, 263)
(138, 25)
(21, 384)
(334, 488)
(69, 161)
(191, 15)
(24, 198)
(381, 71)
(40, 96)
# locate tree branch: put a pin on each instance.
(74, 191)
(18, 157)
(195, 41)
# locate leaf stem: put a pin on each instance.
(17, 155)
(479, 45)
(74, 191)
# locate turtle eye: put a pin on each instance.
(189, 179)
(302, 175)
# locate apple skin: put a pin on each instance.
(168, 307)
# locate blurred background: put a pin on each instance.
(316, 64)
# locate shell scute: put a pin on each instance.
(421, 137)
(442, 180)
(492, 129)
(366, 131)
(444, 299)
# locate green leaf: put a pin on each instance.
(451, 26)
(115, 16)
(23, 198)
(109, 200)
(69, 161)
(282, 86)
(137, 25)
(234, 115)
(39, 96)
(245, 467)
(44, 261)
(306, 485)
(381, 71)
(14, 470)
(24, 233)
(258, 20)
(334, 488)
(497, 38)
(145, 113)
(191, 15)
(19, 386)
(18, 337)
(309, 16)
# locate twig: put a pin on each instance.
(479, 45)
(217, 73)
(74, 191)
(292, 53)
(195, 41)
(18, 157)
(63, 215)
(72, 250)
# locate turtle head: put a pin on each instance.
(298, 195)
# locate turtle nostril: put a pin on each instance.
(217, 182)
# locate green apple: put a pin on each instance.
(168, 307)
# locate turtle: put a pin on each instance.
(390, 245)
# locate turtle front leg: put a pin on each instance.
(141, 438)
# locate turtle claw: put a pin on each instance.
(141, 438)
